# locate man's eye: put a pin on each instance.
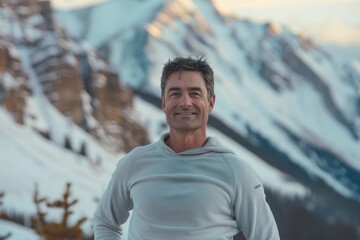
(174, 94)
(195, 94)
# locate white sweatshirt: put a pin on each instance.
(205, 193)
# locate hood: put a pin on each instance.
(211, 146)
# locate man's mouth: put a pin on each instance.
(185, 113)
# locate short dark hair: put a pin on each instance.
(179, 64)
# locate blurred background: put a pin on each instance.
(80, 87)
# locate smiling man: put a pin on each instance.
(186, 186)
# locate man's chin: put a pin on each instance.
(185, 127)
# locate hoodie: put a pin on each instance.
(205, 193)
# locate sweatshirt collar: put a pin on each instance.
(211, 145)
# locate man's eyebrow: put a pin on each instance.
(194, 89)
(174, 89)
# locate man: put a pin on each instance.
(186, 186)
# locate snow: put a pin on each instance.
(27, 158)
(8, 81)
(356, 65)
(51, 167)
(330, 75)
(151, 118)
(135, 14)
(25, 30)
(16, 231)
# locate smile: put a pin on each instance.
(185, 113)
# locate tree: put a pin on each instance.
(2, 215)
(60, 230)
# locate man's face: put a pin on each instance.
(185, 101)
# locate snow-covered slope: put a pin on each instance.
(57, 101)
(16, 231)
(28, 159)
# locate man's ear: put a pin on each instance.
(163, 103)
(212, 103)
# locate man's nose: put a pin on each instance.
(185, 101)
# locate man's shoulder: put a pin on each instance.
(142, 150)
(233, 159)
(239, 166)
(135, 154)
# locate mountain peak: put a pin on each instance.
(273, 29)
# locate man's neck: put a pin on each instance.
(180, 142)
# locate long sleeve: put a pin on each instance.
(114, 206)
(253, 214)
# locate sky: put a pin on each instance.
(331, 21)
(65, 4)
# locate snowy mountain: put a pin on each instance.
(65, 116)
(283, 104)
(279, 94)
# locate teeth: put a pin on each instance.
(186, 113)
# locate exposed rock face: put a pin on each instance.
(13, 86)
(112, 102)
(60, 77)
(71, 75)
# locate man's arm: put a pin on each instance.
(114, 206)
(103, 230)
(253, 214)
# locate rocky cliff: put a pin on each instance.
(39, 58)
